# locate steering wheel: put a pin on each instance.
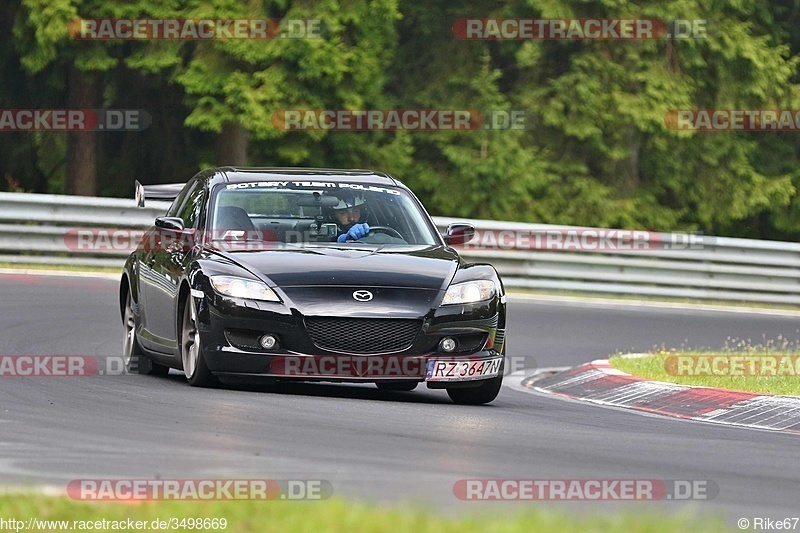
(385, 229)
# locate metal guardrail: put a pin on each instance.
(33, 228)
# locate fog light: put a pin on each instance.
(268, 342)
(448, 344)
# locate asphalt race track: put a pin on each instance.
(374, 445)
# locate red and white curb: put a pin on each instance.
(597, 382)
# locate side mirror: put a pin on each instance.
(459, 233)
(170, 223)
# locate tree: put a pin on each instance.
(75, 68)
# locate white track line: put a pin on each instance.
(515, 379)
(61, 273)
(613, 303)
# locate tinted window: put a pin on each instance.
(287, 211)
(190, 210)
(178, 202)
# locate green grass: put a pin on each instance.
(339, 516)
(662, 366)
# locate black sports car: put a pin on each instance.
(311, 275)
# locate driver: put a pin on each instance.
(350, 215)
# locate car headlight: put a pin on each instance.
(243, 288)
(469, 292)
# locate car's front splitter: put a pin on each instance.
(438, 370)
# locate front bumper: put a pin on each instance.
(358, 369)
(297, 358)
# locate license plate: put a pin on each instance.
(449, 370)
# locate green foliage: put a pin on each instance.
(595, 150)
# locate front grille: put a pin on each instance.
(362, 335)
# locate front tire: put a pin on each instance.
(482, 394)
(191, 347)
(486, 392)
(132, 354)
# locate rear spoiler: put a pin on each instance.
(168, 191)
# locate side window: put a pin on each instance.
(177, 203)
(190, 210)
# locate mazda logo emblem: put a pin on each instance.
(362, 296)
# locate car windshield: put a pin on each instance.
(317, 212)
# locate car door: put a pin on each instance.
(150, 284)
(169, 259)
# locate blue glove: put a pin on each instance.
(355, 233)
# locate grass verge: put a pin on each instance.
(331, 516)
(760, 371)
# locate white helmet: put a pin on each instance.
(349, 200)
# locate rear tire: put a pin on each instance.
(397, 386)
(191, 348)
(133, 355)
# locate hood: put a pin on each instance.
(410, 267)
